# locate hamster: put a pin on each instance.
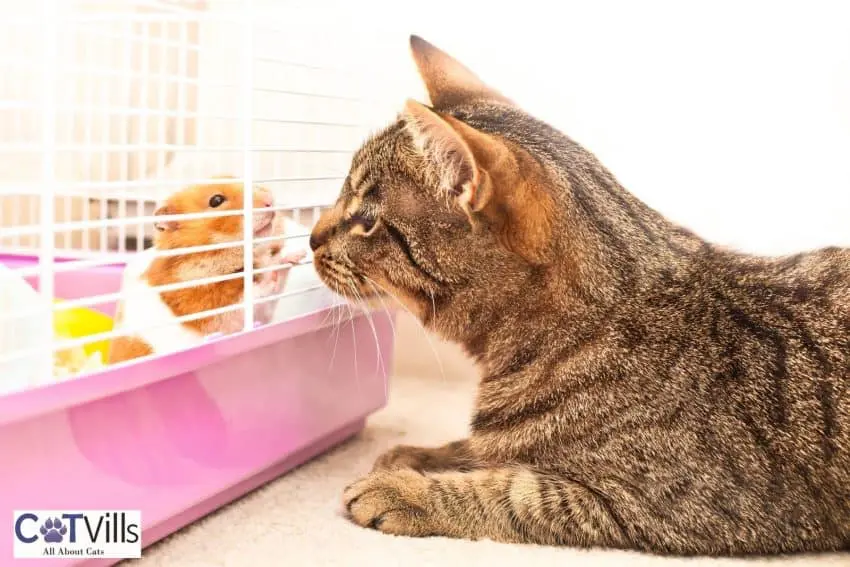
(155, 312)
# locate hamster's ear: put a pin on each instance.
(165, 226)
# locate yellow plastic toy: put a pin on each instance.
(79, 322)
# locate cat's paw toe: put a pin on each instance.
(393, 502)
(401, 457)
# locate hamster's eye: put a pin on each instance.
(216, 200)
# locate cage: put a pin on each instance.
(107, 109)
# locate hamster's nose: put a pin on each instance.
(263, 198)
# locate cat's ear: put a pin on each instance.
(448, 81)
(449, 146)
(501, 184)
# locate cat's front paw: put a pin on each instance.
(394, 502)
(454, 456)
(404, 457)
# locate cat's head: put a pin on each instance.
(446, 210)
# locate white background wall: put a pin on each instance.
(732, 117)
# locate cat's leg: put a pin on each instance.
(451, 456)
(503, 504)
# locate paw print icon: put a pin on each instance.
(53, 530)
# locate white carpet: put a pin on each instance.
(296, 520)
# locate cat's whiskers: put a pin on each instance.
(351, 315)
(341, 281)
(418, 322)
(379, 363)
(330, 311)
(323, 268)
(433, 306)
(380, 297)
(336, 331)
(347, 304)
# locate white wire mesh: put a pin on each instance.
(107, 108)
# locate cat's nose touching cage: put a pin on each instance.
(161, 166)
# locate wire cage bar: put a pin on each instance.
(135, 100)
(109, 108)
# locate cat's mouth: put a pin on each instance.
(347, 282)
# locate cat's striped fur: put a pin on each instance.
(641, 388)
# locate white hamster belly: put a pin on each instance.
(147, 317)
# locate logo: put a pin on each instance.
(53, 530)
(52, 534)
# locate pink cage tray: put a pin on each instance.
(180, 435)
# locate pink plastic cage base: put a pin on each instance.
(180, 435)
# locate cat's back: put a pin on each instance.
(769, 346)
(803, 298)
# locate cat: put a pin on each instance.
(641, 388)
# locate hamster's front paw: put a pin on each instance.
(268, 284)
(293, 257)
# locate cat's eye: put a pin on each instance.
(216, 200)
(373, 192)
(364, 222)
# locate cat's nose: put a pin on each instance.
(325, 227)
(318, 238)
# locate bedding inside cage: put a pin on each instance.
(74, 284)
(303, 294)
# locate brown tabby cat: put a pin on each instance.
(641, 388)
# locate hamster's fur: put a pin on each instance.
(149, 315)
